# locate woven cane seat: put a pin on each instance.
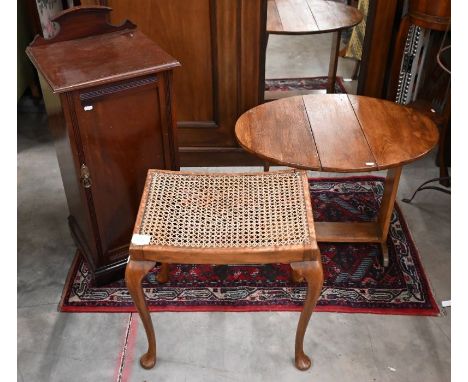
(225, 212)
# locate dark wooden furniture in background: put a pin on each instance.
(220, 46)
(251, 218)
(341, 133)
(302, 17)
(107, 92)
(418, 78)
(431, 15)
(377, 51)
(387, 22)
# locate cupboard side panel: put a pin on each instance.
(123, 137)
(63, 133)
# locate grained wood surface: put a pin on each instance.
(388, 200)
(340, 113)
(219, 44)
(82, 22)
(430, 14)
(134, 274)
(111, 115)
(396, 134)
(172, 25)
(313, 17)
(347, 232)
(312, 271)
(117, 144)
(70, 61)
(254, 130)
(348, 133)
(60, 127)
(377, 47)
(273, 17)
(309, 16)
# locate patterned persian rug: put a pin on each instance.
(313, 83)
(355, 280)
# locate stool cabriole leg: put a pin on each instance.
(295, 277)
(163, 275)
(134, 274)
(313, 273)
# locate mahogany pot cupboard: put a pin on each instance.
(108, 95)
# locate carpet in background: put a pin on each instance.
(313, 83)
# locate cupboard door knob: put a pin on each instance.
(85, 176)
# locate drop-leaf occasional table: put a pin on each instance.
(301, 17)
(341, 133)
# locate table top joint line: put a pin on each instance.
(279, 16)
(363, 133)
(312, 133)
(312, 13)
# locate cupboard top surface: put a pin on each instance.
(99, 59)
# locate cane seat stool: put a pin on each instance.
(247, 218)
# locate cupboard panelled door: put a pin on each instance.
(118, 147)
(219, 44)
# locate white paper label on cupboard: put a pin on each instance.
(138, 239)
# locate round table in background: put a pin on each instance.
(300, 17)
(340, 133)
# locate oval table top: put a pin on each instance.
(336, 133)
(309, 16)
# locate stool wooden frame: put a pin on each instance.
(304, 260)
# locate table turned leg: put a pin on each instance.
(385, 258)
(134, 274)
(313, 273)
(163, 274)
(386, 208)
(333, 65)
